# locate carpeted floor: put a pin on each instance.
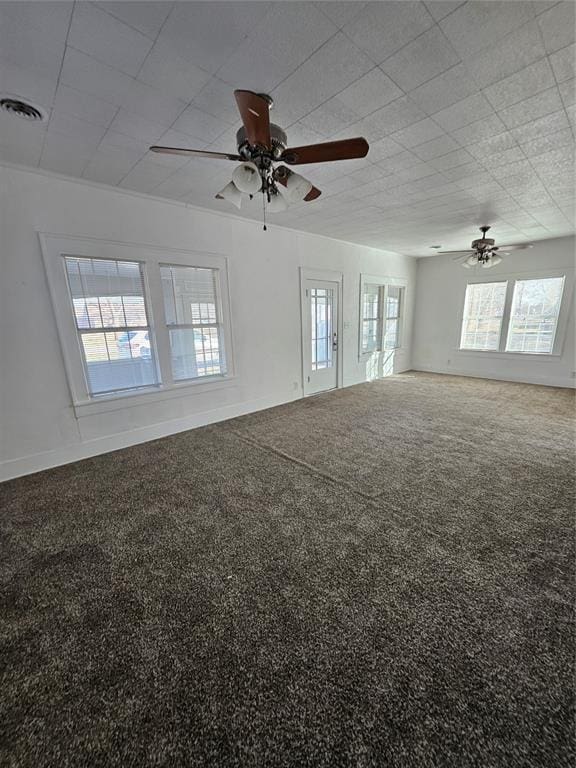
(379, 576)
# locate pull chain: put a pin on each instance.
(264, 210)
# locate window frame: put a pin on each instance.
(383, 282)
(511, 278)
(506, 284)
(56, 247)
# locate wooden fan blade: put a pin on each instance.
(312, 195)
(347, 149)
(255, 113)
(194, 153)
(520, 247)
(467, 251)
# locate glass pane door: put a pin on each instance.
(321, 304)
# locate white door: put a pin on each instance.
(320, 326)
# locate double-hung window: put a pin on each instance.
(519, 316)
(134, 320)
(112, 324)
(193, 320)
(381, 304)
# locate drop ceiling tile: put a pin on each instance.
(437, 147)
(152, 103)
(330, 118)
(207, 34)
(451, 160)
(20, 133)
(500, 159)
(567, 92)
(83, 106)
(493, 145)
(558, 25)
(199, 125)
(381, 29)
(84, 73)
(441, 8)
(27, 83)
(558, 159)
(22, 153)
(65, 154)
(544, 103)
(138, 127)
(121, 141)
(418, 133)
(370, 92)
(443, 91)
(481, 129)
(469, 27)
(390, 119)
(383, 148)
(109, 165)
(564, 63)
(463, 112)
(27, 47)
(521, 85)
(172, 74)
(146, 17)
(421, 60)
(254, 68)
(399, 162)
(461, 171)
(541, 127)
(341, 13)
(512, 53)
(67, 125)
(145, 175)
(333, 67)
(217, 98)
(49, 18)
(98, 34)
(545, 144)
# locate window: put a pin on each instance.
(483, 313)
(112, 324)
(534, 315)
(381, 316)
(138, 322)
(371, 317)
(192, 317)
(392, 324)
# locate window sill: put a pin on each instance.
(544, 356)
(111, 403)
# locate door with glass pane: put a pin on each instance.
(321, 336)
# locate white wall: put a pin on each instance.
(441, 284)
(38, 426)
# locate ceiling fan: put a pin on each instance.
(261, 146)
(484, 253)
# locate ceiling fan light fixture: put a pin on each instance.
(471, 261)
(496, 259)
(278, 203)
(247, 179)
(232, 194)
(297, 187)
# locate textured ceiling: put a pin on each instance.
(468, 106)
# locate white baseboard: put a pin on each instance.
(547, 381)
(47, 459)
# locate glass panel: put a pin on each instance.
(189, 295)
(483, 311)
(371, 306)
(196, 352)
(110, 294)
(117, 361)
(321, 300)
(534, 315)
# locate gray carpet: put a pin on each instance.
(379, 576)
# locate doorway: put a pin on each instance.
(320, 334)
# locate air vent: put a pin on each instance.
(22, 109)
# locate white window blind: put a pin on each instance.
(109, 307)
(534, 315)
(483, 312)
(371, 317)
(192, 317)
(393, 310)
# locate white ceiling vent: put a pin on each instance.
(23, 109)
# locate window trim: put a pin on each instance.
(502, 319)
(382, 282)
(511, 277)
(56, 247)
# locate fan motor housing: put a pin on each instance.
(277, 134)
(482, 243)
